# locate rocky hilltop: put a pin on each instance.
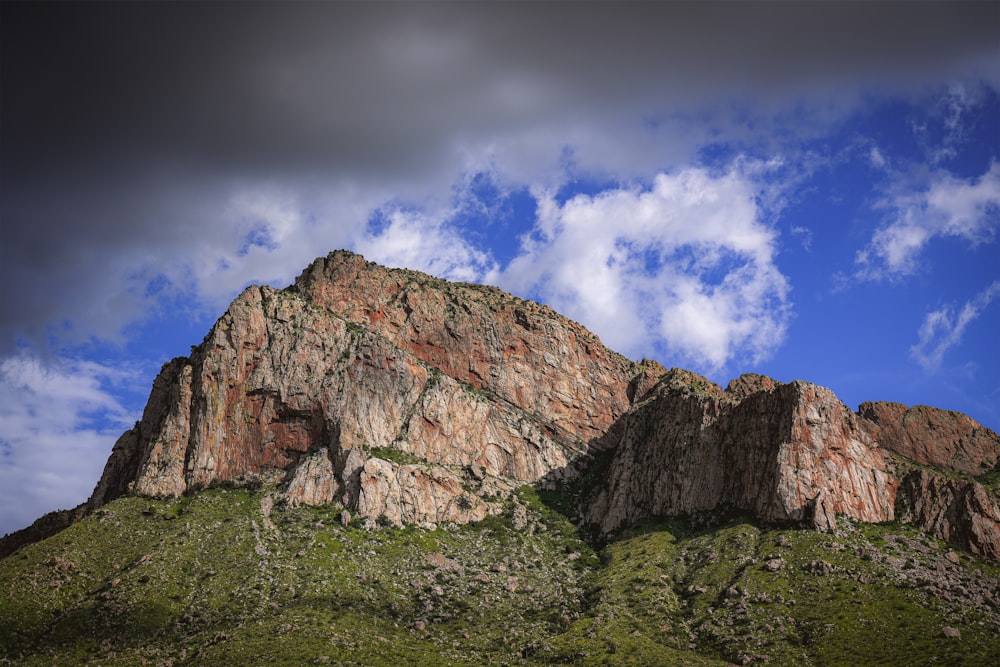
(793, 453)
(399, 396)
(407, 399)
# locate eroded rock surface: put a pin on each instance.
(933, 437)
(405, 398)
(959, 511)
(315, 383)
(782, 452)
(524, 352)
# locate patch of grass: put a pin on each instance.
(204, 580)
(395, 455)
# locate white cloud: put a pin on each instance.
(686, 265)
(425, 242)
(948, 124)
(950, 206)
(943, 329)
(804, 235)
(99, 213)
(877, 159)
(267, 233)
(58, 421)
(958, 102)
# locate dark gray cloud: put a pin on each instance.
(345, 84)
(127, 128)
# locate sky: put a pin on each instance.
(805, 190)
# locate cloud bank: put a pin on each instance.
(131, 139)
(687, 262)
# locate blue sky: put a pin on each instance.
(809, 191)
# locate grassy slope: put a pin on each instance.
(209, 580)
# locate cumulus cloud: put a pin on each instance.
(686, 265)
(968, 209)
(58, 420)
(943, 329)
(267, 233)
(416, 240)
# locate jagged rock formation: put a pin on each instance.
(794, 453)
(959, 511)
(405, 398)
(932, 437)
(945, 495)
(521, 351)
(782, 452)
(397, 395)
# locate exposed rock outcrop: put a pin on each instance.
(782, 452)
(282, 386)
(43, 527)
(519, 350)
(405, 398)
(411, 493)
(959, 511)
(932, 437)
(944, 498)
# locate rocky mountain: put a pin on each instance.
(409, 399)
(388, 392)
(399, 402)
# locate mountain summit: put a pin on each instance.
(408, 399)
(378, 467)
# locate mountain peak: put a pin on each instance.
(405, 398)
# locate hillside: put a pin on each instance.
(225, 577)
(374, 466)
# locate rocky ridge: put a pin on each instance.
(793, 453)
(780, 452)
(408, 399)
(396, 395)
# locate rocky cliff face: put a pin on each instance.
(522, 352)
(283, 389)
(960, 511)
(932, 437)
(944, 495)
(781, 452)
(406, 398)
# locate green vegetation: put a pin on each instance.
(210, 580)
(395, 455)
(991, 481)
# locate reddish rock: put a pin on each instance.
(959, 511)
(305, 386)
(520, 350)
(782, 452)
(282, 390)
(404, 398)
(747, 384)
(932, 437)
